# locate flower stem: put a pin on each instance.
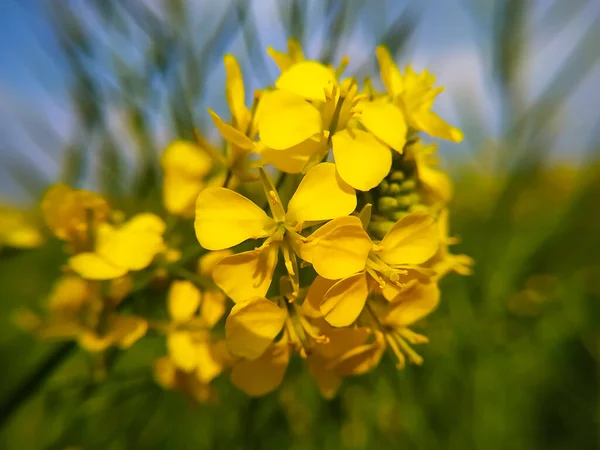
(30, 385)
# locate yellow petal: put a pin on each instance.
(180, 193)
(308, 79)
(362, 161)
(432, 124)
(208, 261)
(294, 49)
(345, 300)
(225, 218)
(93, 267)
(283, 60)
(314, 296)
(58, 206)
(263, 375)
(360, 359)
(183, 300)
(182, 350)
(340, 340)
(93, 343)
(128, 329)
(327, 381)
(436, 182)
(165, 372)
(209, 365)
(68, 293)
(390, 74)
(287, 120)
(340, 248)
(248, 274)
(235, 93)
(212, 307)
(385, 121)
(230, 134)
(146, 222)
(252, 326)
(132, 246)
(321, 195)
(412, 304)
(185, 158)
(412, 240)
(294, 159)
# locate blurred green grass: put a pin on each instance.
(513, 358)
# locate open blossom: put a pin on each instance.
(225, 218)
(118, 250)
(309, 112)
(72, 214)
(415, 94)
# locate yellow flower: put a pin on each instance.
(443, 261)
(416, 301)
(415, 94)
(225, 218)
(18, 230)
(251, 331)
(310, 112)
(121, 331)
(73, 215)
(132, 246)
(190, 345)
(78, 310)
(436, 185)
(169, 376)
(185, 166)
(391, 263)
(344, 352)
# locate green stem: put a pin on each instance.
(30, 385)
(228, 177)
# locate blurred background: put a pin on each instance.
(92, 91)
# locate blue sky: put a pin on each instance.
(36, 119)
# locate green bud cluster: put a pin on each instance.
(396, 196)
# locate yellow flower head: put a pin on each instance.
(72, 215)
(310, 112)
(18, 229)
(390, 265)
(415, 94)
(190, 345)
(77, 309)
(225, 218)
(129, 247)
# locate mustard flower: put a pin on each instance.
(118, 250)
(18, 229)
(390, 264)
(225, 218)
(190, 345)
(72, 215)
(414, 94)
(309, 111)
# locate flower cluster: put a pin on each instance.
(335, 261)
